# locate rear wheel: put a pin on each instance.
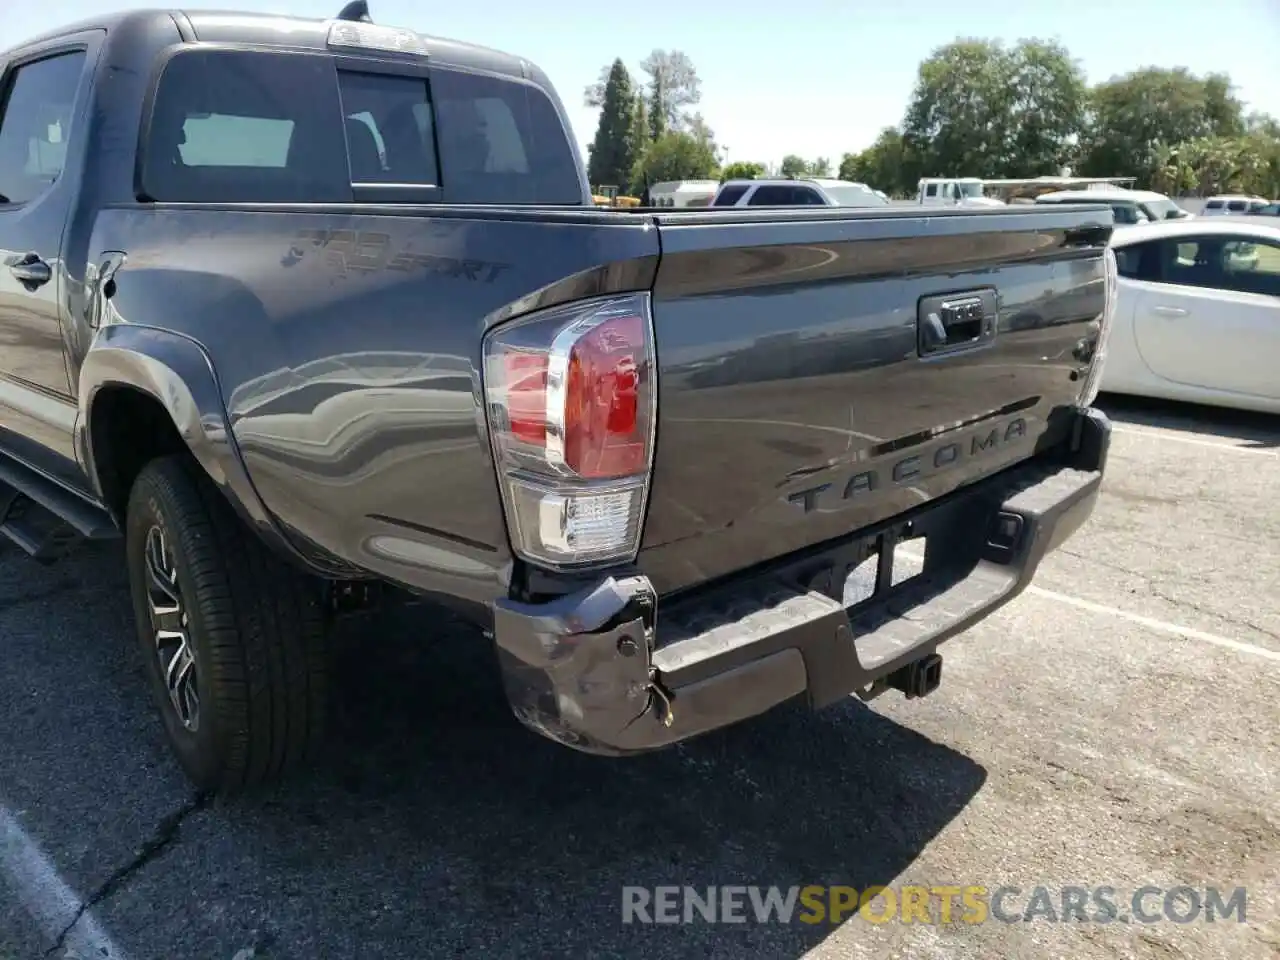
(233, 638)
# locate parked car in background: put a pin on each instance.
(1233, 204)
(817, 192)
(1198, 312)
(1129, 206)
(1270, 210)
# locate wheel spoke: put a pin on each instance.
(169, 628)
(162, 573)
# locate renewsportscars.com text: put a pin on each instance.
(816, 904)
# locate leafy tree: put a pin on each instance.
(885, 165)
(1048, 104)
(673, 87)
(638, 135)
(980, 109)
(678, 155)
(819, 168)
(793, 166)
(1136, 117)
(613, 153)
(743, 170)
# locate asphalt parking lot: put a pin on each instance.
(1117, 725)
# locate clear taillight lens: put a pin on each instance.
(570, 395)
(1093, 379)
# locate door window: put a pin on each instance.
(1235, 263)
(36, 124)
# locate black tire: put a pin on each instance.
(254, 625)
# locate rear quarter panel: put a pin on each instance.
(347, 349)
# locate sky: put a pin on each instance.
(820, 79)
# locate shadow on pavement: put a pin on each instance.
(1256, 430)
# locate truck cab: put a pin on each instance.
(959, 191)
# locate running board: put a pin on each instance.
(44, 518)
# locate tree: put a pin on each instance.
(1136, 117)
(593, 95)
(742, 170)
(793, 166)
(1048, 104)
(673, 87)
(979, 109)
(613, 154)
(638, 137)
(678, 155)
(885, 165)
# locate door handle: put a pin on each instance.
(30, 269)
(1169, 311)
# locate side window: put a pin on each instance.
(246, 126)
(1243, 265)
(389, 128)
(772, 195)
(1139, 261)
(1237, 206)
(501, 141)
(730, 195)
(1126, 213)
(807, 197)
(1252, 266)
(931, 190)
(36, 123)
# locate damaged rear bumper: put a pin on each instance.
(596, 670)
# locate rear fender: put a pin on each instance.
(175, 371)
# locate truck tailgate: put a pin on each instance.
(820, 372)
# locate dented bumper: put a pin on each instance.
(599, 670)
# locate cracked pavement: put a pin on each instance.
(1065, 746)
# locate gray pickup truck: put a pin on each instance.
(310, 311)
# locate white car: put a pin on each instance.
(1128, 206)
(813, 192)
(1198, 312)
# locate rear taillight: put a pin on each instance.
(1093, 379)
(571, 396)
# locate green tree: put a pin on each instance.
(673, 87)
(638, 136)
(885, 165)
(612, 155)
(1049, 100)
(793, 166)
(1137, 118)
(677, 155)
(981, 109)
(743, 170)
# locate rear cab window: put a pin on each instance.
(231, 126)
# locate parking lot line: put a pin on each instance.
(1160, 626)
(46, 898)
(1195, 441)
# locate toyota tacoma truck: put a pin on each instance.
(309, 311)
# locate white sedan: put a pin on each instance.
(1198, 313)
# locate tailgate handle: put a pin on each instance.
(956, 321)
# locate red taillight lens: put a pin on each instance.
(570, 396)
(604, 434)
